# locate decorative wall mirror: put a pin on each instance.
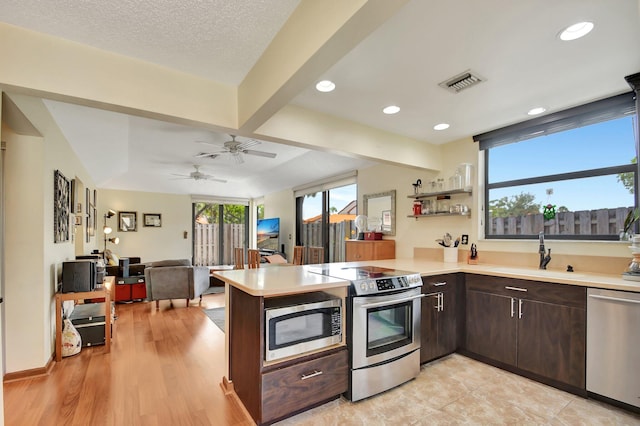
(381, 208)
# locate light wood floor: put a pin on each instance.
(164, 368)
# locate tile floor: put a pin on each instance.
(457, 390)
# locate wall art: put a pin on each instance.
(152, 219)
(127, 221)
(61, 207)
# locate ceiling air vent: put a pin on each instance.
(462, 81)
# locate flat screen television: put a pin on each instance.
(268, 234)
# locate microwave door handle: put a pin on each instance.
(391, 302)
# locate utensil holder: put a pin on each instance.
(451, 254)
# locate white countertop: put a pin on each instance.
(287, 279)
(278, 280)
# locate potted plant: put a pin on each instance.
(629, 221)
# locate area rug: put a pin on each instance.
(214, 289)
(217, 316)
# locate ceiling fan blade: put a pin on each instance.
(260, 153)
(211, 178)
(248, 144)
(207, 155)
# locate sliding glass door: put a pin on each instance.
(326, 219)
(217, 229)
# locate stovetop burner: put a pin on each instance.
(367, 280)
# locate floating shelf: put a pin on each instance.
(435, 194)
(418, 216)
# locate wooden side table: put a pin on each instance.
(103, 291)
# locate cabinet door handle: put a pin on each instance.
(439, 284)
(617, 299)
(310, 375)
(441, 302)
(512, 308)
(437, 307)
(516, 288)
(519, 308)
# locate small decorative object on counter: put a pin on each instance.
(472, 257)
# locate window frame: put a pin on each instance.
(596, 112)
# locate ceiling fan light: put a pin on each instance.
(575, 31)
(325, 86)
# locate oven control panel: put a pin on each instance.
(383, 285)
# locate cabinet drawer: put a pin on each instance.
(439, 283)
(292, 388)
(561, 294)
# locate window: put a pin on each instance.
(571, 175)
(325, 215)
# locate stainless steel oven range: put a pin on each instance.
(383, 323)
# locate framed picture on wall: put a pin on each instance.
(127, 221)
(152, 219)
(61, 207)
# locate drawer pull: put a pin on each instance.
(516, 288)
(310, 375)
(439, 284)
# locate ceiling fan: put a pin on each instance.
(198, 175)
(236, 149)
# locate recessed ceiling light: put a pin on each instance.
(441, 126)
(576, 31)
(325, 86)
(536, 111)
(391, 109)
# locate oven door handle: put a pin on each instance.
(391, 302)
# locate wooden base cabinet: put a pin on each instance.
(356, 250)
(538, 328)
(271, 392)
(290, 389)
(439, 324)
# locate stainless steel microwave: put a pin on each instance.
(301, 323)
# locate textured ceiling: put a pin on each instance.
(514, 45)
(216, 39)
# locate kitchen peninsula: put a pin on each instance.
(252, 378)
(272, 390)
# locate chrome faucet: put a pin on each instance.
(544, 260)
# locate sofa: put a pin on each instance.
(175, 279)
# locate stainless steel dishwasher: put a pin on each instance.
(613, 345)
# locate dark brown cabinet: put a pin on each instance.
(439, 324)
(536, 327)
(272, 391)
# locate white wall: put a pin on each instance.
(32, 260)
(149, 243)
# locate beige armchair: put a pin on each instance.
(175, 279)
